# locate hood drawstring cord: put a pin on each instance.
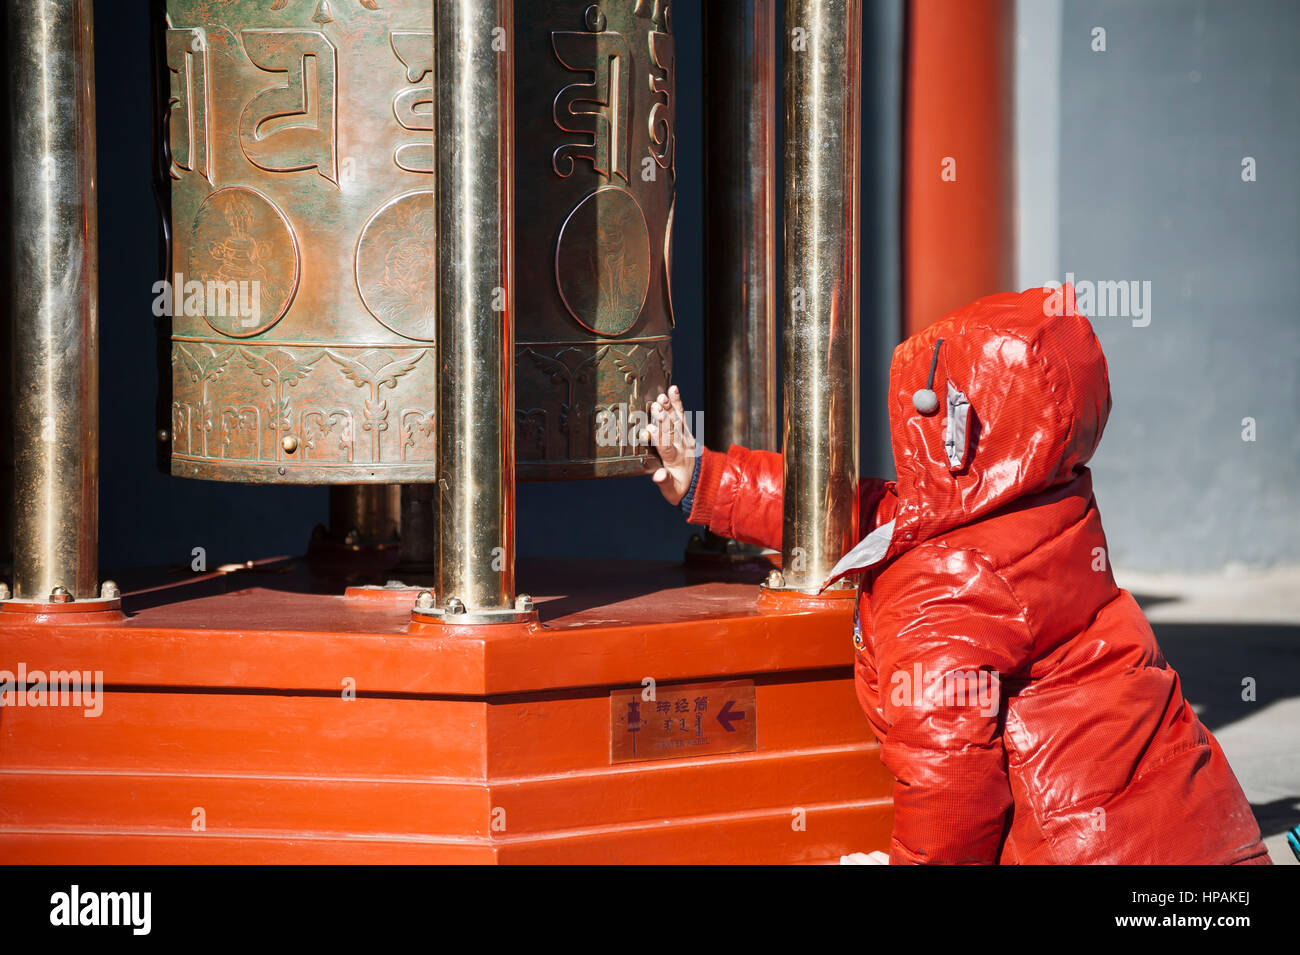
(857, 613)
(924, 399)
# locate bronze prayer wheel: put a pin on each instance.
(595, 168)
(303, 278)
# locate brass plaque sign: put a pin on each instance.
(697, 719)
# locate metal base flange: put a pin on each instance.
(464, 618)
(454, 613)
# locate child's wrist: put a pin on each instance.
(688, 499)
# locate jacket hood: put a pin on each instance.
(1023, 394)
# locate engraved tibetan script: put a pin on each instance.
(187, 102)
(662, 120)
(413, 106)
(598, 108)
(292, 127)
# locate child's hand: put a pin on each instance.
(675, 444)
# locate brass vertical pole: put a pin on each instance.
(739, 173)
(474, 564)
(820, 297)
(55, 280)
(416, 551)
(365, 515)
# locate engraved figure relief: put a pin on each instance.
(531, 434)
(243, 247)
(599, 108)
(574, 370)
(241, 433)
(418, 434)
(376, 370)
(614, 420)
(631, 365)
(326, 435)
(278, 370)
(202, 365)
(290, 128)
(600, 387)
(323, 12)
(182, 418)
(395, 266)
(188, 138)
(610, 420)
(269, 393)
(413, 106)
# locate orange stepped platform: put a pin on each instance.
(229, 731)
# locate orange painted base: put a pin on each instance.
(246, 718)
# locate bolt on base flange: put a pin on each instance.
(455, 613)
(60, 605)
(109, 595)
(776, 583)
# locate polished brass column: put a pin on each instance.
(365, 515)
(739, 175)
(416, 551)
(473, 51)
(55, 277)
(820, 297)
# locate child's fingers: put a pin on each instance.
(669, 433)
(656, 419)
(669, 428)
(680, 422)
(667, 453)
(656, 424)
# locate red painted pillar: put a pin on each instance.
(959, 158)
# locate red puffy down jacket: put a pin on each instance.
(1019, 696)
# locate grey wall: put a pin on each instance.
(1148, 163)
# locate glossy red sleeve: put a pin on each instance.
(739, 495)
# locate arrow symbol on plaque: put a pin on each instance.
(726, 716)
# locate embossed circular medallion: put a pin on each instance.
(602, 261)
(395, 266)
(245, 255)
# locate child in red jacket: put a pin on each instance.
(1019, 696)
